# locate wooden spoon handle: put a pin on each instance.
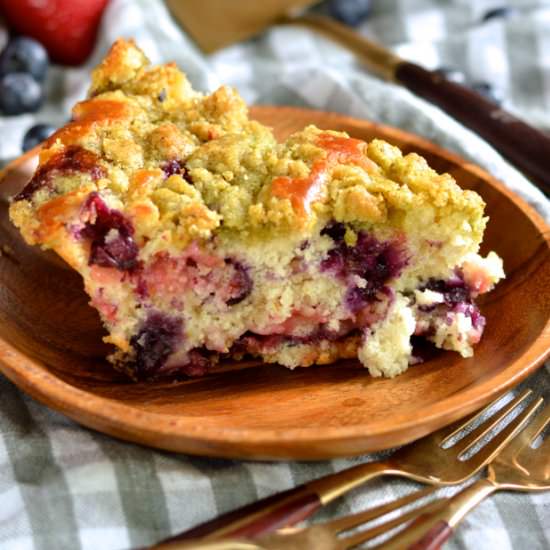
(260, 517)
(524, 146)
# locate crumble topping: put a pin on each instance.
(232, 169)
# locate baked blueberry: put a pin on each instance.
(154, 342)
(111, 235)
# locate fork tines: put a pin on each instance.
(484, 423)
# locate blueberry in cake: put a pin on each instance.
(199, 237)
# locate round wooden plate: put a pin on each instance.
(50, 345)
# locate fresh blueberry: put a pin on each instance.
(36, 135)
(19, 93)
(502, 11)
(350, 12)
(451, 74)
(489, 91)
(24, 55)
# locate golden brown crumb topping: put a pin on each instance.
(182, 165)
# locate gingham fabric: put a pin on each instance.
(63, 486)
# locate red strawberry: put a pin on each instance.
(66, 28)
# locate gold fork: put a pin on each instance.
(514, 468)
(323, 535)
(428, 460)
(518, 467)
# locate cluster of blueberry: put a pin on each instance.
(23, 67)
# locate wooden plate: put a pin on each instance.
(50, 346)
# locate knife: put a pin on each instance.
(217, 23)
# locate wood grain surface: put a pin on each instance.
(50, 345)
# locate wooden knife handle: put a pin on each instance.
(267, 515)
(434, 538)
(524, 146)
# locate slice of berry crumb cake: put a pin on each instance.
(200, 237)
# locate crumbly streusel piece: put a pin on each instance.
(199, 236)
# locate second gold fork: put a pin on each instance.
(519, 467)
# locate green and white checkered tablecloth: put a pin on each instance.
(64, 487)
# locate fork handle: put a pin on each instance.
(286, 508)
(431, 531)
(258, 518)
